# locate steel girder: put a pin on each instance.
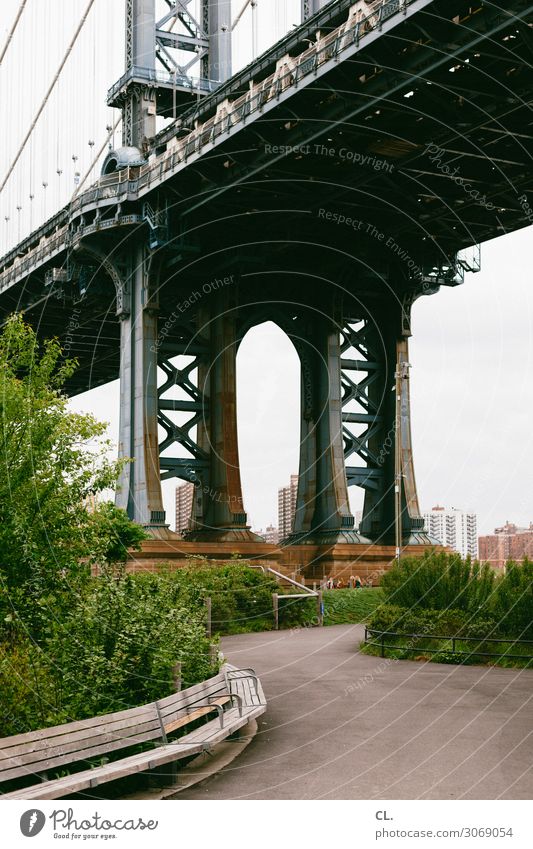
(154, 63)
(375, 348)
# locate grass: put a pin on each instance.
(347, 606)
(440, 651)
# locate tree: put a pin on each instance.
(51, 461)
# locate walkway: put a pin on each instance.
(342, 725)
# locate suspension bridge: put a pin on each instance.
(349, 169)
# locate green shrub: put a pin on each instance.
(513, 601)
(439, 581)
(445, 623)
(116, 648)
(241, 597)
(29, 690)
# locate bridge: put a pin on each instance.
(349, 170)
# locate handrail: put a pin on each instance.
(453, 639)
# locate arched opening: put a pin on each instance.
(268, 404)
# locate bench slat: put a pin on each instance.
(36, 752)
(193, 743)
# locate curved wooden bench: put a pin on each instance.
(234, 695)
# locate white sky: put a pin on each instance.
(472, 350)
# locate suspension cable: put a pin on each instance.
(96, 157)
(12, 31)
(48, 93)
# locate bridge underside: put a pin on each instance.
(329, 212)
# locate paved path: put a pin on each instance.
(342, 725)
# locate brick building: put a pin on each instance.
(509, 542)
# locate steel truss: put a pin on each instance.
(376, 421)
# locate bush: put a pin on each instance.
(513, 601)
(439, 581)
(117, 647)
(445, 623)
(241, 597)
(29, 690)
(112, 645)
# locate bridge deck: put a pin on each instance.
(406, 137)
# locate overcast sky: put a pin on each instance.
(472, 348)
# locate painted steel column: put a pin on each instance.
(379, 511)
(322, 504)
(139, 109)
(219, 40)
(411, 507)
(218, 512)
(140, 485)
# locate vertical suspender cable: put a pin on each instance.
(48, 93)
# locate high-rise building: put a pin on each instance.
(507, 543)
(184, 499)
(270, 534)
(287, 507)
(454, 528)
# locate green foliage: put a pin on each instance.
(113, 645)
(513, 601)
(348, 605)
(114, 533)
(469, 602)
(439, 581)
(241, 597)
(51, 459)
(392, 617)
(29, 690)
(118, 645)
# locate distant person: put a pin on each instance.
(339, 584)
(351, 582)
(358, 582)
(329, 584)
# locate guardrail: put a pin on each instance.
(452, 643)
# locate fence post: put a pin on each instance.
(208, 616)
(176, 677)
(275, 607)
(320, 608)
(382, 644)
(453, 645)
(213, 655)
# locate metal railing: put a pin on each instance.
(150, 75)
(450, 640)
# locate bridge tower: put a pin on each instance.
(351, 353)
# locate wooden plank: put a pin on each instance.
(101, 775)
(122, 728)
(212, 734)
(96, 721)
(60, 748)
(45, 764)
(196, 714)
(67, 728)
